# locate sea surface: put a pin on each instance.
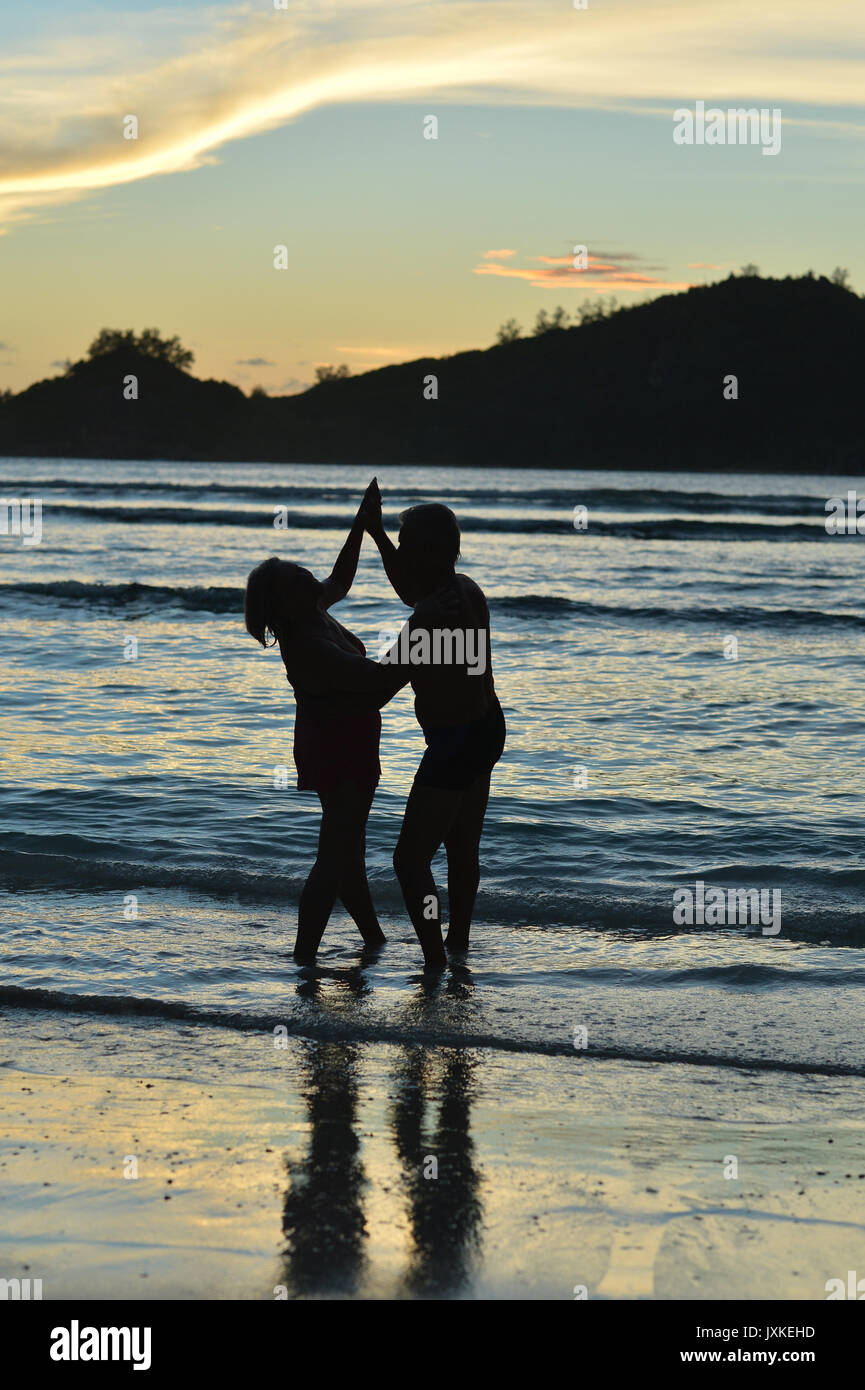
(683, 687)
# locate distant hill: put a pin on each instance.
(642, 388)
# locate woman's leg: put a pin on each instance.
(344, 813)
(462, 843)
(355, 896)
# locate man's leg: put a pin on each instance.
(462, 843)
(429, 814)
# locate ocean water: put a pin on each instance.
(150, 867)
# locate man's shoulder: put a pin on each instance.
(471, 592)
(467, 585)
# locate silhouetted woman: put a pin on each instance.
(338, 693)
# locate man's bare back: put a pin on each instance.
(457, 690)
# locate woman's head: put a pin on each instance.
(278, 594)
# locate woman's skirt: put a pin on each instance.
(330, 749)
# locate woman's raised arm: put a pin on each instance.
(341, 577)
(388, 551)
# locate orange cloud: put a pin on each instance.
(496, 255)
(605, 272)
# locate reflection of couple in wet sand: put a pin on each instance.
(339, 693)
(324, 1217)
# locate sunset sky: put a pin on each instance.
(304, 126)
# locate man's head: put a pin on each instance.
(429, 547)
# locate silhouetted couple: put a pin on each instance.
(444, 651)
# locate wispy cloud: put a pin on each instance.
(497, 255)
(372, 351)
(604, 272)
(253, 362)
(204, 76)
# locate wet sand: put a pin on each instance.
(374, 1171)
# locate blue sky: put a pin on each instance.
(549, 136)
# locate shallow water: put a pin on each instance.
(153, 778)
